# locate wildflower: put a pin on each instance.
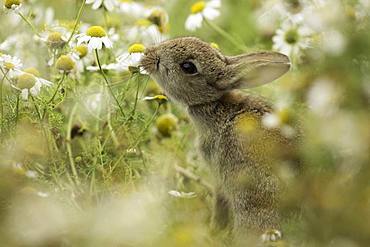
(32, 71)
(55, 37)
(42, 194)
(215, 46)
(28, 83)
(108, 4)
(81, 50)
(111, 66)
(159, 98)
(10, 64)
(322, 97)
(65, 63)
(131, 59)
(181, 194)
(292, 38)
(280, 119)
(132, 8)
(159, 17)
(12, 4)
(166, 124)
(202, 10)
(146, 32)
(95, 38)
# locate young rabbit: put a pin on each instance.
(239, 150)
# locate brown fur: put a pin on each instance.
(239, 150)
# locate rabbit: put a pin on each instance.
(232, 140)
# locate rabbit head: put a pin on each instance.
(193, 72)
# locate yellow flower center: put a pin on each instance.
(136, 48)
(215, 46)
(161, 97)
(32, 71)
(55, 37)
(65, 63)
(82, 50)
(198, 7)
(9, 3)
(26, 81)
(126, 1)
(159, 18)
(284, 115)
(143, 22)
(166, 124)
(96, 31)
(9, 66)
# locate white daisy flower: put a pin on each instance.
(108, 4)
(181, 194)
(55, 37)
(10, 64)
(111, 66)
(131, 58)
(132, 8)
(14, 5)
(95, 38)
(202, 10)
(145, 32)
(29, 84)
(292, 37)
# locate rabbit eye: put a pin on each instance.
(189, 68)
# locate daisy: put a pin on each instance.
(131, 59)
(181, 194)
(200, 11)
(158, 17)
(292, 37)
(95, 38)
(29, 84)
(12, 4)
(146, 32)
(65, 63)
(132, 8)
(111, 66)
(55, 38)
(10, 64)
(108, 4)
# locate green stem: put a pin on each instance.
(17, 109)
(151, 120)
(136, 96)
(36, 108)
(108, 83)
(41, 124)
(54, 94)
(226, 35)
(56, 90)
(1, 100)
(78, 18)
(69, 147)
(29, 23)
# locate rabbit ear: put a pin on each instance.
(254, 69)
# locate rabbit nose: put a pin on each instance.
(150, 60)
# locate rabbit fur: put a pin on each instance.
(241, 153)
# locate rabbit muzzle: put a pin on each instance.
(150, 61)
